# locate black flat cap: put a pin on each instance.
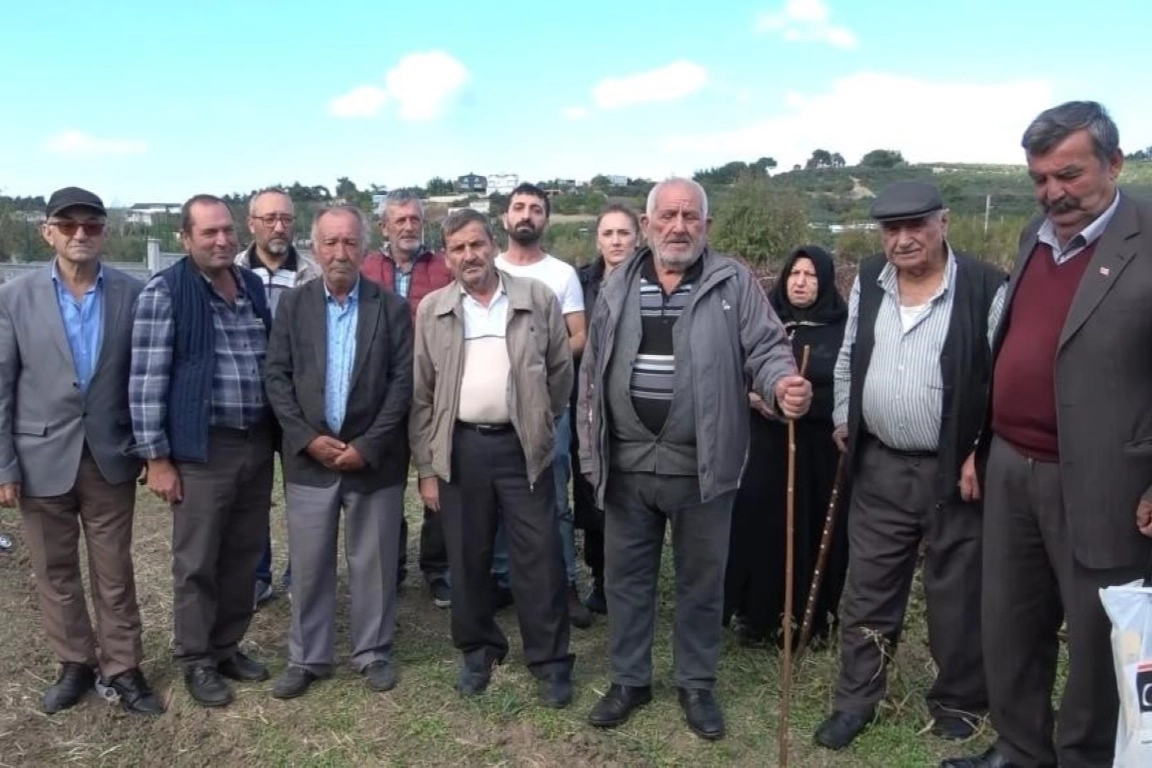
(74, 197)
(906, 200)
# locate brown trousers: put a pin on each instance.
(218, 534)
(1034, 584)
(52, 527)
(893, 510)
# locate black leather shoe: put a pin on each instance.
(475, 675)
(953, 728)
(578, 613)
(206, 687)
(294, 682)
(618, 704)
(596, 601)
(135, 695)
(556, 690)
(990, 759)
(702, 712)
(380, 676)
(73, 682)
(841, 729)
(242, 669)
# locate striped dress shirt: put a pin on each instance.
(903, 387)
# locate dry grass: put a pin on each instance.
(423, 722)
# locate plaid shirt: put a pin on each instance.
(237, 382)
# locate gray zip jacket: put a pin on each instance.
(737, 344)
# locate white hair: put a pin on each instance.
(677, 181)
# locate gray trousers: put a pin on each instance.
(892, 512)
(371, 533)
(1033, 584)
(636, 507)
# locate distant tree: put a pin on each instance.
(796, 167)
(837, 160)
(438, 185)
(346, 188)
(1141, 155)
(758, 222)
(882, 158)
(821, 158)
(764, 165)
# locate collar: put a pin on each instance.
(291, 260)
(1085, 237)
(887, 278)
(353, 295)
(99, 273)
(500, 291)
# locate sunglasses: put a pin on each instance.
(67, 227)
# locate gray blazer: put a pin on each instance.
(44, 417)
(1104, 389)
(380, 393)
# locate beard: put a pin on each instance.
(525, 234)
(277, 246)
(677, 261)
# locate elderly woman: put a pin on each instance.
(813, 312)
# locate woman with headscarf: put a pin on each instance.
(808, 303)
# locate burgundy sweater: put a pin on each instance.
(1024, 380)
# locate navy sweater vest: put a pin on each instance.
(194, 355)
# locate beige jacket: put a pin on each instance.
(538, 388)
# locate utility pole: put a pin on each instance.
(987, 211)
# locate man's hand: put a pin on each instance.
(9, 495)
(164, 480)
(350, 460)
(969, 485)
(1144, 517)
(757, 404)
(794, 395)
(326, 450)
(840, 437)
(430, 493)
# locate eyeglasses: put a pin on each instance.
(271, 219)
(68, 228)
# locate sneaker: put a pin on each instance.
(441, 593)
(264, 593)
(5, 543)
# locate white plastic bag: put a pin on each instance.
(1129, 606)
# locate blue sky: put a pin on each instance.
(156, 101)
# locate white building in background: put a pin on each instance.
(502, 183)
(143, 213)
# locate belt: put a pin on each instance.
(868, 436)
(485, 429)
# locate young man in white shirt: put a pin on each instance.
(525, 221)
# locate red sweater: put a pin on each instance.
(1024, 380)
(429, 272)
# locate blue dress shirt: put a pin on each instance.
(341, 320)
(83, 324)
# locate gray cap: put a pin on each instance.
(906, 200)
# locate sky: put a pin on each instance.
(155, 102)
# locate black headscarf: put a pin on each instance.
(829, 307)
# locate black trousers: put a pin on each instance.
(489, 484)
(433, 552)
(894, 511)
(591, 520)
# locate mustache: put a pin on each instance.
(1066, 204)
(525, 225)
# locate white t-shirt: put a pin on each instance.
(558, 275)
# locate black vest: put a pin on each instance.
(965, 364)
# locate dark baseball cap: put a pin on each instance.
(904, 200)
(74, 197)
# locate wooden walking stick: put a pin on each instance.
(821, 561)
(789, 568)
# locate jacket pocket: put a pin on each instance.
(25, 427)
(1139, 449)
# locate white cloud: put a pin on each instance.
(932, 122)
(421, 84)
(80, 143)
(670, 83)
(806, 21)
(362, 101)
(575, 113)
(424, 84)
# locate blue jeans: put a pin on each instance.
(264, 567)
(561, 473)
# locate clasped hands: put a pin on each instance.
(335, 454)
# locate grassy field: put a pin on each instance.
(423, 721)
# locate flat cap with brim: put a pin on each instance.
(906, 200)
(74, 197)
